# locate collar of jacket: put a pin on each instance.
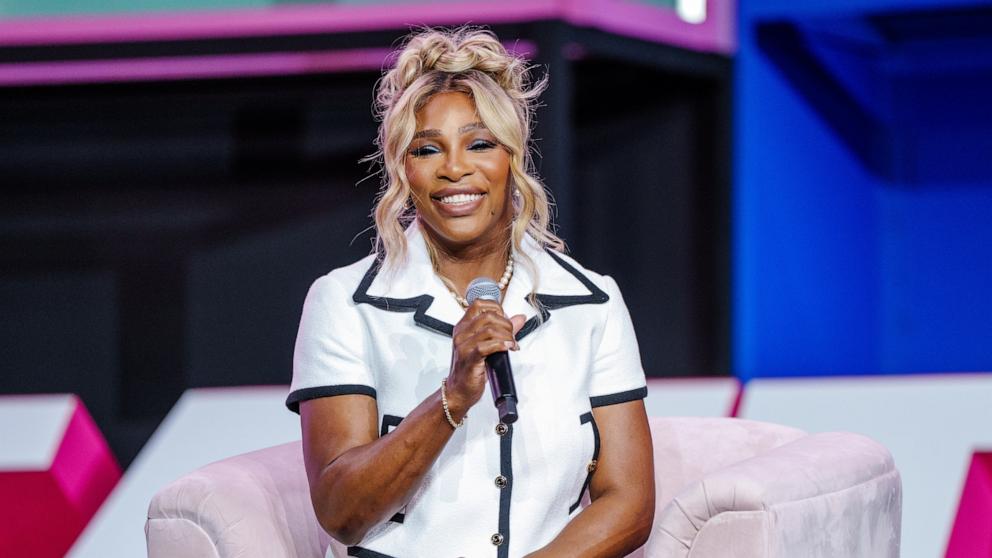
(414, 287)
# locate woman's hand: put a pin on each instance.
(482, 331)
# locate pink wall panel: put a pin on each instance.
(971, 536)
(44, 508)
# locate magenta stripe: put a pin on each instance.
(200, 67)
(623, 17)
(274, 20)
(191, 67)
(643, 21)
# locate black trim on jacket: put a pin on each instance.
(365, 553)
(620, 397)
(584, 418)
(294, 398)
(420, 304)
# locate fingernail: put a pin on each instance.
(508, 344)
(516, 346)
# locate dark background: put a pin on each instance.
(161, 236)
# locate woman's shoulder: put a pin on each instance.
(566, 268)
(342, 280)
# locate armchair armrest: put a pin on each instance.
(252, 505)
(832, 494)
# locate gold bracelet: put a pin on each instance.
(447, 413)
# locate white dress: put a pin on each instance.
(495, 490)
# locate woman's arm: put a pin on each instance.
(619, 519)
(357, 479)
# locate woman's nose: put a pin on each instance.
(455, 167)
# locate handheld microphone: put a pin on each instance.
(497, 364)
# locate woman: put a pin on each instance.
(404, 451)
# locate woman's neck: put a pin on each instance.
(462, 264)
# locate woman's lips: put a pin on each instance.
(459, 205)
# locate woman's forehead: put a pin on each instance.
(448, 111)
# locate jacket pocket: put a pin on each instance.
(591, 466)
(389, 422)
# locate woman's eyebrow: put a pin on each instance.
(433, 133)
(472, 126)
(427, 134)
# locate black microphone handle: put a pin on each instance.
(501, 384)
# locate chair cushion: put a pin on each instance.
(254, 504)
(688, 448)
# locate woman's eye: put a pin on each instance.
(423, 151)
(481, 145)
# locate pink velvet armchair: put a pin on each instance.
(726, 488)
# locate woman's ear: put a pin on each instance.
(517, 198)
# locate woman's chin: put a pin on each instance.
(462, 232)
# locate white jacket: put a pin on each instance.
(488, 494)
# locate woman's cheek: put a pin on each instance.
(419, 185)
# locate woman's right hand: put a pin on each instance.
(482, 331)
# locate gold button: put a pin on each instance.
(501, 481)
(502, 429)
(591, 466)
(496, 539)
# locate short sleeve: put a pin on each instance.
(329, 358)
(617, 375)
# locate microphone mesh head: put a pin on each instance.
(484, 288)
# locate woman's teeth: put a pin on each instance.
(458, 199)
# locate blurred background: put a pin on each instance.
(781, 188)
(167, 201)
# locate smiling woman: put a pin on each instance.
(458, 173)
(497, 102)
(390, 357)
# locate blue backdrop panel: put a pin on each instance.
(937, 270)
(863, 189)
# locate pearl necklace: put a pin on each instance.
(503, 282)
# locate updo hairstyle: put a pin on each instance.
(474, 62)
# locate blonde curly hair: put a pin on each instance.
(469, 60)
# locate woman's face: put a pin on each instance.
(458, 173)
